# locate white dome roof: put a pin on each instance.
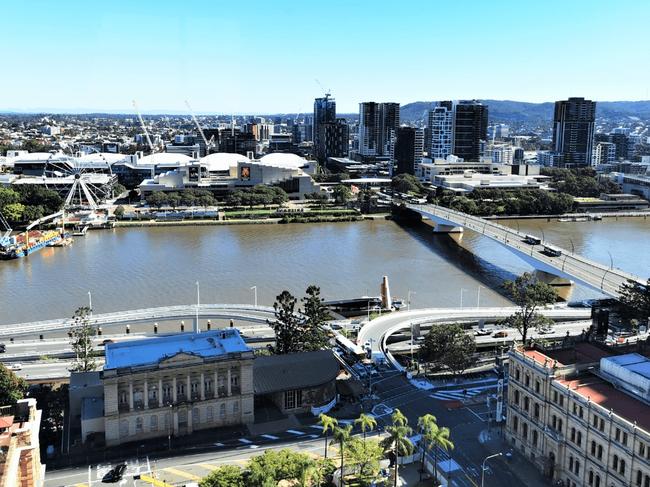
(39, 156)
(165, 158)
(104, 157)
(281, 159)
(222, 161)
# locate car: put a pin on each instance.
(115, 474)
(106, 342)
(500, 334)
(3, 348)
(482, 332)
(545, 331)
(15, 366)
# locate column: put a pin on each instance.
(202, 386)
(160, 393)
(188, 392)
(216, 385)
(174, 394)
(130, 395)
(228, 382)
(146, 394)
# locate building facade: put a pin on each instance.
(604, 153)
(575, 421)
(324, 114)
(378, 124)
(174, 385)
(441, 130)
(470, 129)
(409, 147)
(573, 131)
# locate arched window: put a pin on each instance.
(222, 410)
(615, 462)
(209, 412)
(138, 424)
(196, 416)
(153, 423)
(621, 468)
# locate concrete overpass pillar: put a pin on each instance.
(440, 228)
(552, 279)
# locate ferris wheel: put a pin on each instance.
(84, 183)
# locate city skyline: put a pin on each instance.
(263, 59)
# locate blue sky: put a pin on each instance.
(249, 56)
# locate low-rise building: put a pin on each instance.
(581, 414)
(20, 455)
(175, 385)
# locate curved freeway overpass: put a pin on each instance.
(244, 312)
(378, 330)
(568, 265)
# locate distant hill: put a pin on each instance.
(519, 111)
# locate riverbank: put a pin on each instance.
(247, 221)
(621, 214)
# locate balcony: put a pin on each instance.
(138, 405)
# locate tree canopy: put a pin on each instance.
(29, 202)
(449, 346)
(12, 387)
(529, 293)
(635, 300)
(81, 340)
(407, 183)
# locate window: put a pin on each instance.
(536, 409)
(579, 438)
(525, 431)
(124, 428)
(621, 467)
(594, 421)
(209, 413)
(554, 422)
(293, 399)
(555, 397)
(639, 477)
(517, 373)
(624, 439)
(515, 424)
(573, 435)
(122, 397)
(535, 437)
(617, 435)
(196, 416)
(195, 387)
(222, 411)
(235, 407)
(577, 468)
(615, 462)
(571, 463)
(526, 403)
(153, 423)
(593, 448)
(234, 380)
(527, 380)
(208, 385)
(641, 448)
(600, 452)
(537, 386)
(517, 397)
(168, 422)
(138, 424)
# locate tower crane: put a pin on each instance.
(5, 236)
(208, 143)
(144, 127)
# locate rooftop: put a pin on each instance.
(150, 351)
(582, 353)
(277, 373)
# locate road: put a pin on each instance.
(568, 264)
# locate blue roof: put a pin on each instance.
(150, 351)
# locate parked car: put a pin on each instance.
(482, 332)
(15, 366)
(500, 334)
(115, 474)
(3, 348)
(545, 331)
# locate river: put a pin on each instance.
(154, 266)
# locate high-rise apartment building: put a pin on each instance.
(324, 113)
(441, 130)
(470, 128)
(334, 140)
(378, 124)
(604, 153)
(573, 131)
(409, 146)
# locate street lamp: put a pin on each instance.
(408, 300)
(611, 260)
(254, 289)
(483, 466)
(198, 303)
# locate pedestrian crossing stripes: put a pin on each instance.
(295, 432)
(270, 437)
(317, 427)
(245, 441)
(458, 394)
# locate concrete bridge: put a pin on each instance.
(557, 265)
(191, 312)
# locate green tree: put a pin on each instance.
(274, 466)
(434, 438)
(287, 325)
(342, 435)
(119, 212)
(397, 442)
(118, 190)
(157, 199)
(364, 457)
(367, 423)
(206, 200)
(225, 476)
(529, 293)
(316, 315)
(634, 298)
(407, 183)
(342, 194)
(448, 345)
(52, 402)
(14, 212)
(12, 387)
(8, 196)
(328, 424)
(81, 340)
(174, 200)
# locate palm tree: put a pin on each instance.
(329, 424)
(397, 440)
(341, 436)
(367, 423)
(426, 424)
(435, 438)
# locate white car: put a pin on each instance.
(15, 367)
(482, 332)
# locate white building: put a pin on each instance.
(500, 153)
(441, 125)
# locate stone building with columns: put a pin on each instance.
(175, 385)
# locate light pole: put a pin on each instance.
(90, 303)
(198, 303)
(478, 297)
(461, 297)
(611, 260)
(254, 289)
(483, 466)
(408, 300)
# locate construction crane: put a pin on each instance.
(5, 236)
(208, 143)
(144, 127)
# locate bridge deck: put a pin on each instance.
(568, 264)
